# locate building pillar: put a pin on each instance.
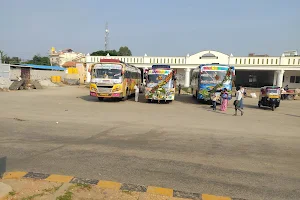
(280, 78)
(88, 75)
(187, 77)
(275, 78)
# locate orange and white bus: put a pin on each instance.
(111, 78)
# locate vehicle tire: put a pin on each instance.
(259, 105)
(273, 107)
(21, 88)
(100, 98)
(290, 97)
(149, 100)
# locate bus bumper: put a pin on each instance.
(107, 95)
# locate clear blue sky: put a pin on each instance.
(155, 27)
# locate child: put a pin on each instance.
(214, 100)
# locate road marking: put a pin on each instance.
(161, 191)
(14, 175)
(59, 178)
(175, 194)
(212, 197)
(109, 185)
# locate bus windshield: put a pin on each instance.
(156, 78)
(108, 73)
(212, 76)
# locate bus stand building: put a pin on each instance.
(251, 71)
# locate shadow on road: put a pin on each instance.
(184, 98)
(95, 99)
(292, 115)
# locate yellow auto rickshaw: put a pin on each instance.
(270, 97)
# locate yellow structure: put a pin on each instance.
(55, 79)
(72, 70)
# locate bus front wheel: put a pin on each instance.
(126, 96)
(100, 98)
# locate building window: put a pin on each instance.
(160, 60)
(245, 61)
(179, 61)
(175, 60)
(257, 61)
(298, 61)
(182, 61)
(150, 60)
(297, 79)
(262, 61)
(267, 61)
(289, 61)
(294, 61)
(271, 61)
(292, 79)
(252, 79)
(253, 61)
(171, 60)
(276, 61)
(235, 61)
(134, 60)
(141, 60)
(168, 60)
(249, 62)
(240, 61)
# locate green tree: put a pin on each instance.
(3, 55)
(9, 60)
(124, 51)
(104, 53)
(39, 60)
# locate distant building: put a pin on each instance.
(290, 53)
(254, 55)
(66, 55)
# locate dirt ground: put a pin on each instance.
(182, 145)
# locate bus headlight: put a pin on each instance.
(116, 88)
(93, 87)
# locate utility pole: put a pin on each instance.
(106, 39)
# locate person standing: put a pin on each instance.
(221, 94)
(241, 101)
(179, 89)
(214, 101)
(237, 102)
(224, 98)
(137, 91)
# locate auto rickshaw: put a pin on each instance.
(269, 96)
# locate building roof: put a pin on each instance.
(69, 64)
(57, 68)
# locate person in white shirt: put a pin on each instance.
(237, 102)
(137, 91)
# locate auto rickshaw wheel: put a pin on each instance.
(273, 107)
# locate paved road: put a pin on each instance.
(182, 145)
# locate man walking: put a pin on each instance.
(179, 89)
(242, 99)
(137, 91)
(237, 102)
